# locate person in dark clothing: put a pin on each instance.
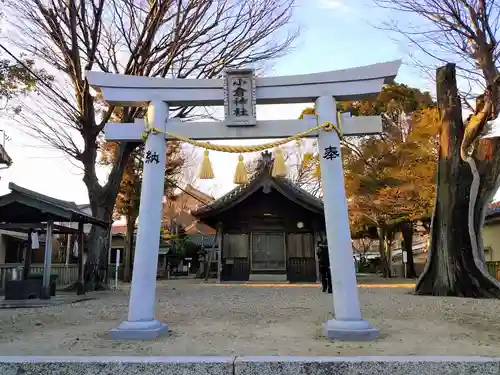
(324, 267)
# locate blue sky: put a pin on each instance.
(335, 34)
(338, 34)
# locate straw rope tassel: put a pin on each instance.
(279, 167)
(206, 171)
(241, 174)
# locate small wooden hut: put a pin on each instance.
(267, 229)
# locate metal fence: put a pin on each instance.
(67, 274)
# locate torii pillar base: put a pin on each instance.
(139, 331)
(345, 330)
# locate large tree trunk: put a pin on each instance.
(407, 247)
(102, 201)
(129, 245)
(96, 266)
(454, 266)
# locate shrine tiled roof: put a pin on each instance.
(228, 197)
(22, 205)
(257, 181)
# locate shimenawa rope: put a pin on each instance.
(241, 175)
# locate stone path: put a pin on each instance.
(208, 319)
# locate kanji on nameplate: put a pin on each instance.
(239, 97)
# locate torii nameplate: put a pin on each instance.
(240, 97)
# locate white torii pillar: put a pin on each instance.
(141, 323)
(348, 324)
(349, 84)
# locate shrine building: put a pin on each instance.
(267, 229)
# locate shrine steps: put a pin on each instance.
(266, 278)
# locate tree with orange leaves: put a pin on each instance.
(390, 180)
(390, 177)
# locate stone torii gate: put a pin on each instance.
(240, 123)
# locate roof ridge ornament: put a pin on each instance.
(267, 158)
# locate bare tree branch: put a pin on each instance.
(464, 32)
(157, 38)
(163, 38)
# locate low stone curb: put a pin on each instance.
(116, 365)
(249, 365)
(367, 365)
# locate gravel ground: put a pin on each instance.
(206, 319)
